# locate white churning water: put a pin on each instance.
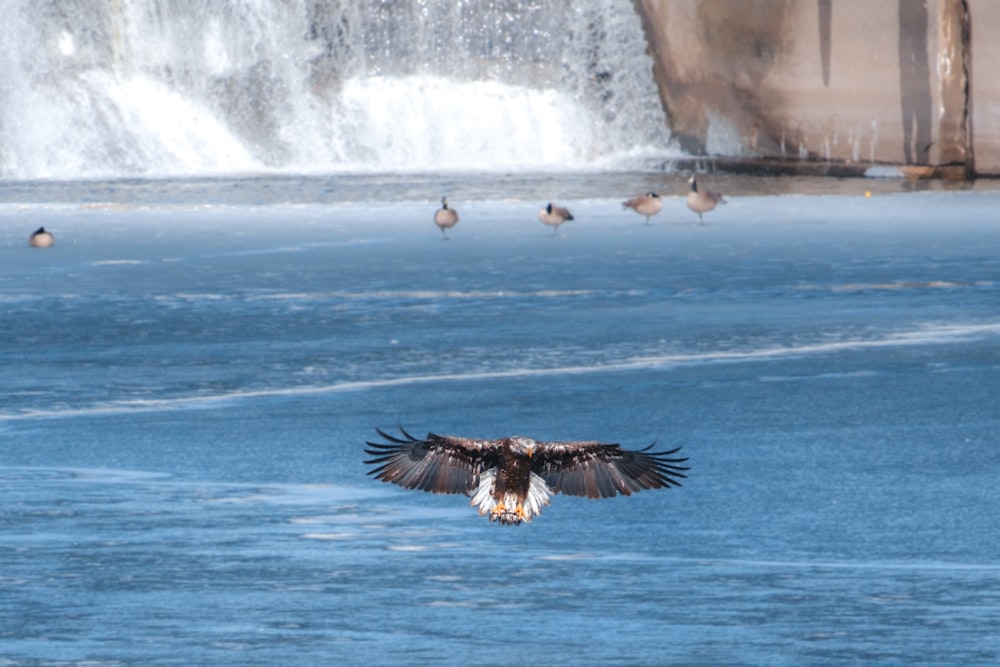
(185, 87)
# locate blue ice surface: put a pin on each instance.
(187, 390)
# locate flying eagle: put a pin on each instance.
(511, 479)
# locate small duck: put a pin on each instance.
(41, 239)
(445, 218)
(648, 205)
(554, 216)
(702, 201)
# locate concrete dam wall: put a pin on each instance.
(905, 82)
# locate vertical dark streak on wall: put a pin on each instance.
(914, 81)
(825, 18)
(954, 127)
(970, 157)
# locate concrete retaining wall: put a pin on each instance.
(984, 85)
(908, 82)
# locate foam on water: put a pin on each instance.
(502, 126)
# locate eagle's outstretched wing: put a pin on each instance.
(600, 470)
(438, 464)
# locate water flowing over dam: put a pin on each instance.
(161, 88)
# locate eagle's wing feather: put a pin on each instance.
(601, 470)
(438, 463)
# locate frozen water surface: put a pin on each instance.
(190, 373)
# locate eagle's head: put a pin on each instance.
(522, 445)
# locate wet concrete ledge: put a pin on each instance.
(767, 166)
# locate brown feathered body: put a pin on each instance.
(554, 215)
(648, 205)
(445, 218)
(512, 479)
(702, 201)
(41, 239)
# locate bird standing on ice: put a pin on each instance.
(554, 216)
(648, 205)
(445, 218)
(702, 201)
(41, 239)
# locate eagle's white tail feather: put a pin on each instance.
(483, 495)
(538, 496)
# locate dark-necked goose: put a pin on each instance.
(554, 216)
(702, 201)
(445, 218)
(648, 205)
(41, 239)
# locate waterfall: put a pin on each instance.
(159, 88)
